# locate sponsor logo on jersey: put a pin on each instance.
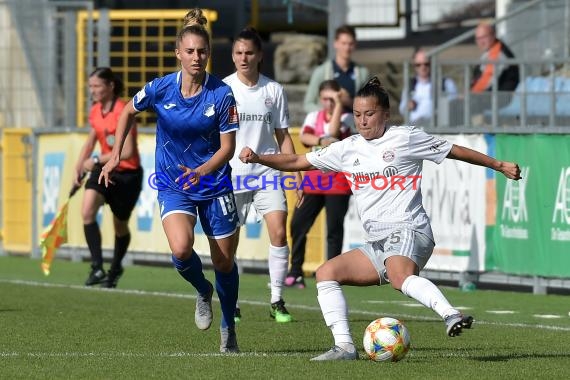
(356, 162)
(140, 96)
(390, 171)
(264, 118)
(169, 106)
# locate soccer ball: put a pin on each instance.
(386, 339)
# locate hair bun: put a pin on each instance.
(195, 16)
(374, 81)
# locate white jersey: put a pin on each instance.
(262, 109)
(385, 176)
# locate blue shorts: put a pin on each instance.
(218, 216)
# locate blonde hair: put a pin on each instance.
(194, 17)
(194, 23)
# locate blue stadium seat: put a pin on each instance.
(563, 98)
(514, 107)
(538, 98)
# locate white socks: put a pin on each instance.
(278, 263)
(334, 309)
(425, 292)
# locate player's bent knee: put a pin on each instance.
(181, 251)
(326, 272)
(397, 279)
(223, 264)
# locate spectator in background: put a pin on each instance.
(342, 69)
(418, 101)
(329, 190)
(493, 49)
(122, 196)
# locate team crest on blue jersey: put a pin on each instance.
(209, 110)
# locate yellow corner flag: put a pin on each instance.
(53, 237)
(56, 233)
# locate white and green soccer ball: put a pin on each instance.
(386, 339)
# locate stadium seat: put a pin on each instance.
(563, 99)
(538, 101)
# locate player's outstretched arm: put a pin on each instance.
(286, 162)
(509, 169)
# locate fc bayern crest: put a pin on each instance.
(268, 102)
(110, 140)
(388, 156)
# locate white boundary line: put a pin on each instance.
(259, 303)
(147, 355)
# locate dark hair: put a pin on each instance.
(345, 29)
(194, 23)
(329, 84)
(106, 74)
(250, 34)
(374, 88)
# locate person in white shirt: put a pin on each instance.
(386, 185)
(418, 99)
(264, 121)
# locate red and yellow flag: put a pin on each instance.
(53, 237)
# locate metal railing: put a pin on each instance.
(541, 49)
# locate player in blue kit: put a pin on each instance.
(195, 139)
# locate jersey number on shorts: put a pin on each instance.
(395, 237)
(227, 203)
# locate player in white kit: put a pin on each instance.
(384, 166)
(264, 121)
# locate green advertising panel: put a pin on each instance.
(532, 232)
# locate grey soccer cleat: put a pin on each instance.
(455, 323)
(203, 315)
(336, 353)
(228, 340)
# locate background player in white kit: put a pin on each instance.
(399, 238)
(264, 121)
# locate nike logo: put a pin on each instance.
(169, 106)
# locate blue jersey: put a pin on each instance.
(188, 131)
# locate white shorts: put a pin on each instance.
(404, 242)
(264, 201)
